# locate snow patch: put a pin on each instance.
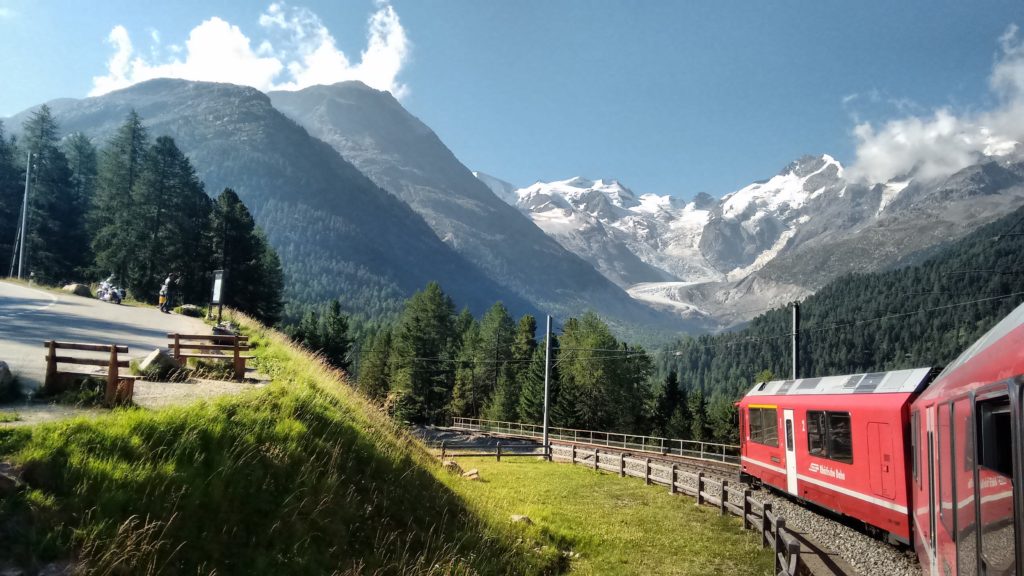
(890, 192)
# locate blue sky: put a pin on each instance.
(667, 97)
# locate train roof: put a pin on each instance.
(895, 382)
(997, 355)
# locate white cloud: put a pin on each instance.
(943, 142)
(6, 13)
(303, 53)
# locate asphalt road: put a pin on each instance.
(29, 317)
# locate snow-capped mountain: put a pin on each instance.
(631, 239)
(769, 242)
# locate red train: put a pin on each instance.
(930, 460)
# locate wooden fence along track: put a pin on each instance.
(707, 491)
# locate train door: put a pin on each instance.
(880, 472)
(998, 446)
(791, 486)
(930, 419)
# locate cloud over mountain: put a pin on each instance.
(295, 50)
(945, 141)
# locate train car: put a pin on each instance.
(967, 460)
(838, 442)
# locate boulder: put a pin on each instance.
(158, 364)
(79, 290)
(452, 466)
(521, 519)
(10, 479)
(190, 310)
(473, 474)
(6, 380)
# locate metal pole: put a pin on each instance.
(24, 213)
(796, 340)
(547, 387)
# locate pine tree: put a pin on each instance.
(423, 376)
(112, 218)
(531, 396)
(467, 394)
(666, 405)
(253, 281)
(375, 368)
(698, 416)
(12, 178)
(55, 228)
(81, 156)
(494, 349)
(504, 405)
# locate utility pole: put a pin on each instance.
(24, 213)
(796, 340)
(547, 386)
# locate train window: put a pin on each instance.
(840, 437)
(829, 435)
(995, 485)
(963, 460)
(816, 434)
(943, 447)
(764, 426)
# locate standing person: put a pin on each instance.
(165, 294)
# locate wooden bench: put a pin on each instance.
(120, 387)
(211, 347)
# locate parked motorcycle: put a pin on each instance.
(110, 293)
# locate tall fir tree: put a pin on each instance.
(423, 377)
(698, 415)
(468, 393)
(375, 367)
(494, 349)
(253, 281)
(12, 177)
(55, 229)
(531, 396)
(112, 218)
(82, 160)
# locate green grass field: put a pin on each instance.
(615, 525)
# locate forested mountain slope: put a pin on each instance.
(339, 235)
(922, 315)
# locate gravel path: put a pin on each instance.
(150, 395)
(870, 557)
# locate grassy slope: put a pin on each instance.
(302, 478)
(306, 477)
(617, 526)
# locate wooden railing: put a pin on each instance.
(687, 448)
(211, 347)
(707, 491)
(119, 387)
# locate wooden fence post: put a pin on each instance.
(442, 449)
(746, 509)
(111, 392)
(647, 472)
(724, 496)
(499, 452)
(700, 488)
(622, 465)
(51, 366)
(672, 480)
(765, 524)
(595, 458)
(780, 525)
(573, 459)
(239, 364)
(177, 347)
